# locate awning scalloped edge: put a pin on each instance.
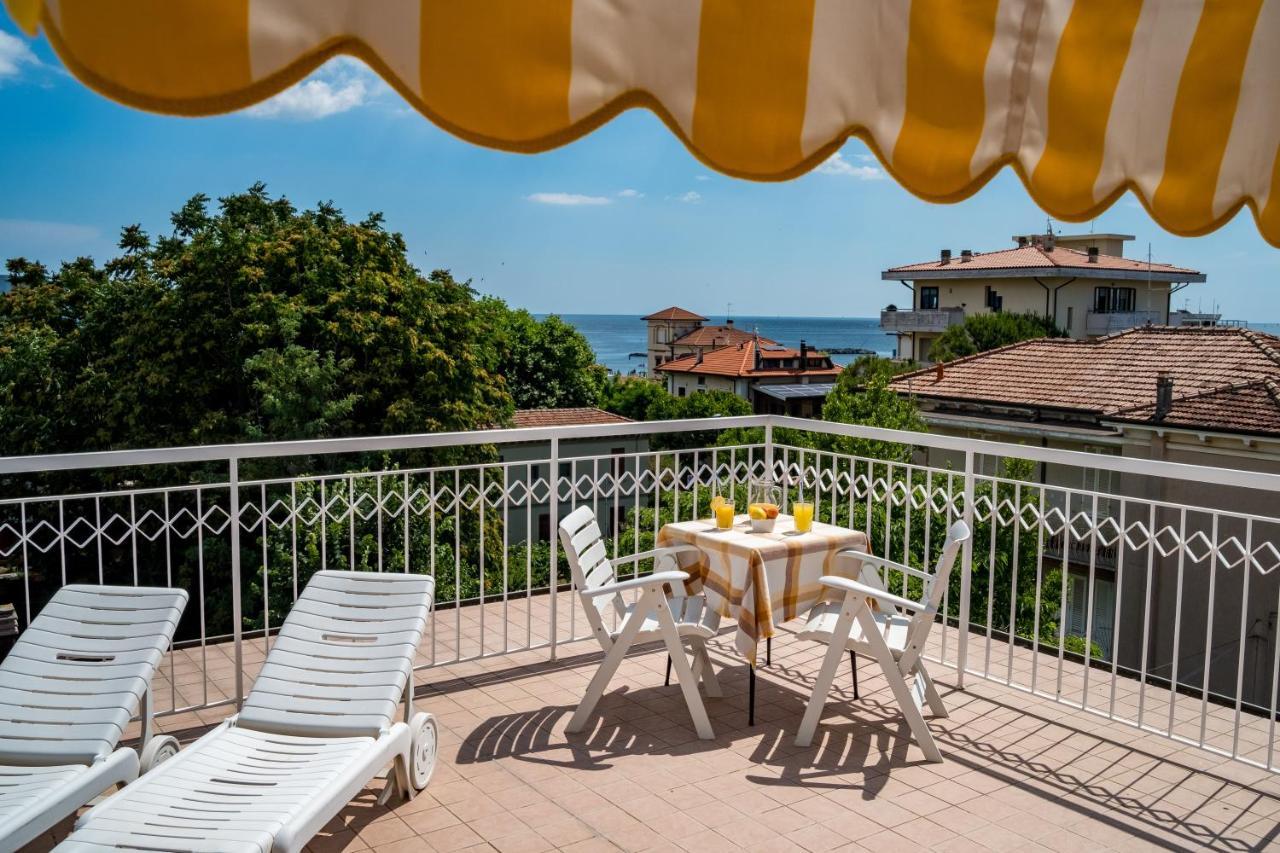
(1083, 101)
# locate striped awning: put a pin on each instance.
(1178, 100)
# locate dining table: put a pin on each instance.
(761, 579)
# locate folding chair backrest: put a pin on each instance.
(936, 586)
(343, 658)
(76, 676)
(584, 546)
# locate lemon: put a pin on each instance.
(757, 513)
(718, 500)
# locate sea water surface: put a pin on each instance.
(620, 340)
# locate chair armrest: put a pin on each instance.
(864, 557)
(656, 552)
(846, 585)
(637, 583)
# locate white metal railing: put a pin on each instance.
(1146, 603)
(1107, 322)
(921, 320)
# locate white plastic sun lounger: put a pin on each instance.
(68, 688)
(318, 725)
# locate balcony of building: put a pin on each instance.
(1161, 736)
(1110, 322)
(924, 320)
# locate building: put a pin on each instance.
(1082, 282)
(590, 456)
(1202, 396)
(773, 378)
(675, 332)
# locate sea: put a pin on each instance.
(620, 340)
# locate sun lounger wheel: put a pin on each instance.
(158, 750)
(425, 736)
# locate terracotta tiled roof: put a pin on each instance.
(706, 336)
(740, 361)
(1106, 376)
(566, 417)
(1252, 407)
(673, 313)
(1037, 259)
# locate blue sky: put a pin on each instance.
(623, 221)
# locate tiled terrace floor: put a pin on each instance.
(1021, 773)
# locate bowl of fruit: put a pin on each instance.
(763, 517)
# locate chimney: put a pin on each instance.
(966, 255)
(1164, 396)
(946, 256)
(1022, 242)
(699, 359)
(804, 354)
(759, 358)
(1093, 254)
(937, 372)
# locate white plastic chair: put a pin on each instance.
(893, 633)
(68, 688)
(317, 726)
(656, 614)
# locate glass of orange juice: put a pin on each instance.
(724, 515)
(803, 513)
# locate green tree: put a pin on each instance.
(253, 320)
(862, 396)
(982, 332)
(545, 364)
(630, 396)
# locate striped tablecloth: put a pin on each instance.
(760, 579)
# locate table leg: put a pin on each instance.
(751, 695)
(768, 651)
(667, 683)
(853, 665)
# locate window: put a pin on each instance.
(1104, 605)
(680, 391)
(702, 380)
(928, 298)
(993, 300)
(1070, 318)
(1114, 300)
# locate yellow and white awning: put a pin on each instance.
(1178, 100)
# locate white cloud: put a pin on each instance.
(340, 85)
(567, 199)
(630, 194)
(837, 165)
(702, 177)
(14, 53)
(690, 197)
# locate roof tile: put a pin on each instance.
(1115, 375)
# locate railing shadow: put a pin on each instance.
(861, 744)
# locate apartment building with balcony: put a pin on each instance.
(1083, 282)
(1197, 396)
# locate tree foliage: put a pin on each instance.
(253, 320)
(546, 364)
(982, 332)
(862, 396)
